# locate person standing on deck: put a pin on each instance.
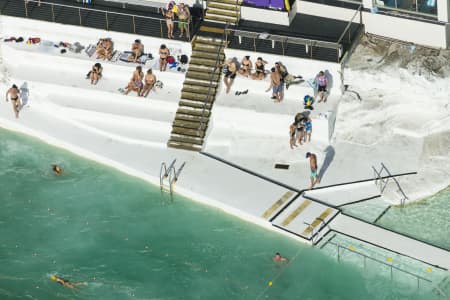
(313, 164)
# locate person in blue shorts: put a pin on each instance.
(308, 129)
(313, 165)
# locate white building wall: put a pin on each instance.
(265, 15)
(422, 33)
(443, 10)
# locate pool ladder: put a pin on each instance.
(169, 173)
(382, 182)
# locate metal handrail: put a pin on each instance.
(398, 185)
(212, 76)
(418, 277)
(106, 12)
(408, 13)
(286, 39)
(347, 28)
(167, 173)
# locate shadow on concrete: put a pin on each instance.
(329, 156)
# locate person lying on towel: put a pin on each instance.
(137, 49)
(105, 48)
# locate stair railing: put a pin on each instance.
(77, 11)
(217, 65)
(165, 172)
(389, 265)
(383, 182)
(348, 29)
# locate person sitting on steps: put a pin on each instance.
(149, 83)
(137, 49)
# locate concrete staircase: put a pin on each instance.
(203, 76)
(223, 11)
(199, 89)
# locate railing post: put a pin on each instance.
(254, 44)
(79, 14)
(107, 22)
(26, 8)
(53, 12)
(160, 28)
(134, 25)
(391, 272)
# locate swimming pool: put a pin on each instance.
(128, 241)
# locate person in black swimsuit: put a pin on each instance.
(260, 72)
(246, 66)
(229, 71)
(14, 94)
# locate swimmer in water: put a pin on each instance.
(66, 283)
(279, 258)
(57, 169)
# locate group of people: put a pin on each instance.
(105, 49)
(279, 76)
(140, 83)
(183, 14)
(300, 131)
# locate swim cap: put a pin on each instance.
(53, 277)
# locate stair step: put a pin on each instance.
(209, 40)
(194, 104)
(186, 139)
(184, 146)
(233, 2)
(190, 118)
(194, 112)
(207, 54)
(188, 132)
(212, 29)
(206, 47)
(189, 124)
(214, 84)
(204, 69)
(224, 19)
(203, 61)
(200, 75)
(220, 5)
(223, 12)
(199, 89)
(198, 97)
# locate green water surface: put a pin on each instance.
(127, 241)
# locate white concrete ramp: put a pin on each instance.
(390, 240)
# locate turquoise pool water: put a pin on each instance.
(428, 220)
(119, 234)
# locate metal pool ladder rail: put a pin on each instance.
(383, 181)
(171, 173)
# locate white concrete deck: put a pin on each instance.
(130, 133)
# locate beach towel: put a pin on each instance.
(115, 56)
(142, 59)
(90, 50)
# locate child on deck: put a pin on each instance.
(308, 130)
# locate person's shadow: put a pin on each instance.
(329, 156)
(24, 93)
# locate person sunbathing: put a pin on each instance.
(96, 73)
(137, 49)
(260, 71)
(149, 83)
(246, 66)
(164, 53)
(135, 83)
(104, 48)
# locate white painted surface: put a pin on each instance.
(443, 10)
(325, 11)
(422, 33)
(265, 15)
(130, 133)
